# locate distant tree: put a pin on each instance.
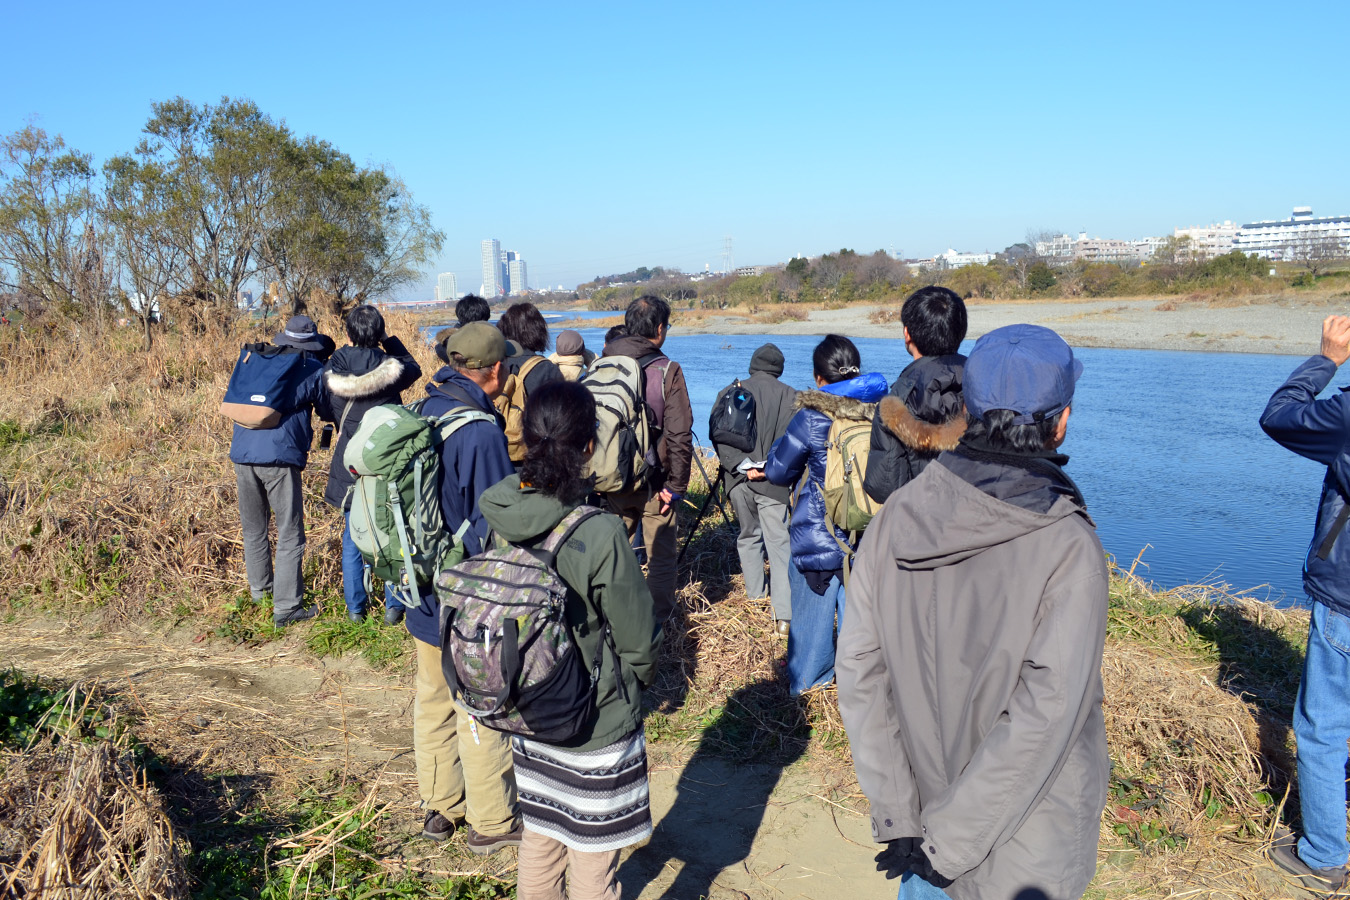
(798, 267)
(1172, 261)
(1316, 251)
(52, 237)
(139, 211)
(1040, 277)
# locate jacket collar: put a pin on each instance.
(455, 387)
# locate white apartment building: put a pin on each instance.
(446, 287)
(1209, 241)
(516, 273)
(492, 270)
(1278, 239)
(954, 260)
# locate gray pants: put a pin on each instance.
(764, 534)
(265, 491)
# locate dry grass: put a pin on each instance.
(81, 820)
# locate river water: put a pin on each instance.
(1164, 445)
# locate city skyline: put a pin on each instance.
(908, 134)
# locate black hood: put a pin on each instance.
(768, 359)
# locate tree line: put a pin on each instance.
(212, 198)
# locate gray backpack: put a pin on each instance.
(506, 651)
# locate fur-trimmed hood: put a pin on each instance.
(917, 434)
(353, 376)
(855, 398)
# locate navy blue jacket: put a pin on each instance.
(472, 460)
(1319, 430)
(288, 443)
(802, 450)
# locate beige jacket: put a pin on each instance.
(573, 367)
(969, 677)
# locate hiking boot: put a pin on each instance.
(295, 615)
(483, 844)
(437, 827)
(393, 612)
(782, 627)
(1284, 853)
(357, 617)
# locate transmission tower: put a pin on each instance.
(728, 260)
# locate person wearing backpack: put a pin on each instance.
(924, 414)
(463, 771)
(760, 505)
(584, 798)
(376, 369)
(527, 368)
(820, 548)
(650, 505)
(267, 466)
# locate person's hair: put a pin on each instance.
(836, 359)
(472, 308)
(559, 424)
(615, 333)
(365, 326)
(524, 324)
(646, 315)
(936, 319)
(998, 431)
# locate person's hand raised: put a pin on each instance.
(1336, 338)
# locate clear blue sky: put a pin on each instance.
(594, 138)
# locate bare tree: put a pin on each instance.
(1316, 251)
(139, 212)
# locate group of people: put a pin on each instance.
(964, 626)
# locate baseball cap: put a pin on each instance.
(479, 344)
(1024, 368)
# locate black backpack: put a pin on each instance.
(732, 422)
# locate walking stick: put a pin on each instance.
(712, 493)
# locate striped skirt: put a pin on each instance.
(592, 800)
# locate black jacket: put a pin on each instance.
(357, 379)
(773, 411)
(923, 415)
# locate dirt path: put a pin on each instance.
(279, 716)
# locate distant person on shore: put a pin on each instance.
(970, 659)
(374, 370)
(651, 507)
(464, 772)
(571, 356)
(585, 799)
(761, 506)
(924, 414)
(527, 369)
(1320, 430)
(267, 467)
(819, 550)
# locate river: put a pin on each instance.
(1165, 446)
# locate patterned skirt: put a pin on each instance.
(592, 800)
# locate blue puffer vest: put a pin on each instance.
(802, 450)
(1320, 431)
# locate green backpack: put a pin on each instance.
(395, 502)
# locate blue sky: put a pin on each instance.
(594, 138)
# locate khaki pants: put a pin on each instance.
(544, 862)
(458, 777)
(642, 507)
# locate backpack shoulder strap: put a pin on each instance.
(547, 550)
(528, 366)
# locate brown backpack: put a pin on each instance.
(510, 405)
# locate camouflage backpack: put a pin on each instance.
(506, 651)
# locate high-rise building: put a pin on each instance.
(446, 287)
(519, 281)
(506, 271)
(492, 269)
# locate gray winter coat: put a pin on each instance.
(969, 674)
(773, 411)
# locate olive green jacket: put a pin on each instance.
(598, 564)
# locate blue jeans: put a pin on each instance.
(354, 570)
(1321, 727)
(811, 640)
(912, 887)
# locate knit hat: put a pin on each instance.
(767, 359)
(570, 343)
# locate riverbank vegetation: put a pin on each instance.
(118, 512)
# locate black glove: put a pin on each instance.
(898, 857)
(923, 867)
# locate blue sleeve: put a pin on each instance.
(1296, 420)
(475, 459)
(311, 388)
(789, 454)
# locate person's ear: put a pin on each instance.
(1062, 426)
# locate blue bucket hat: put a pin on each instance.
(1024, 368)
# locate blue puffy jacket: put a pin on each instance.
(288, 443)
(472, 460)
(801, 448)
(1319, 430)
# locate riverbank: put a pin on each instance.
(1288, 323)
